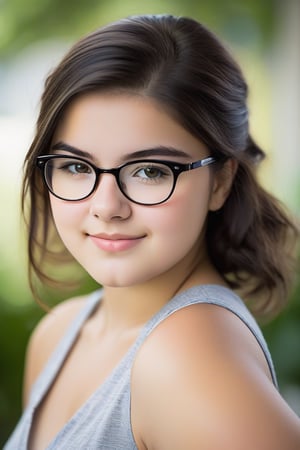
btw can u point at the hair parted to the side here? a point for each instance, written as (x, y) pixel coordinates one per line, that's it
(182, 65)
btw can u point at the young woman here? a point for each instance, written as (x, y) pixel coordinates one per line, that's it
(143, 169)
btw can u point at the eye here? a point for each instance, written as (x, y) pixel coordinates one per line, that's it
(150, 172)
(154, 172)
(75, 167)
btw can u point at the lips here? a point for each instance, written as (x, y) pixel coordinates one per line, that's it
(115, 242)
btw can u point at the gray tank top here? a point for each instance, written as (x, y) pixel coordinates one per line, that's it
(103, 422)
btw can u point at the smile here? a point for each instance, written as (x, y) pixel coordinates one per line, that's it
(115, 243)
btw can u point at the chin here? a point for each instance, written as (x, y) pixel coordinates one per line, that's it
(121, 280)
(113, 281)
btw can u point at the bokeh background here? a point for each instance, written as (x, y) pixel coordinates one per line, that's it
(264, 35)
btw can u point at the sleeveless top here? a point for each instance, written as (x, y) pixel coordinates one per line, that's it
(103, 421)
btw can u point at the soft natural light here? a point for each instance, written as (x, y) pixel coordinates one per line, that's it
(15, 135)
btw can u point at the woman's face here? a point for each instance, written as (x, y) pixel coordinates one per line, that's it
(120, 243)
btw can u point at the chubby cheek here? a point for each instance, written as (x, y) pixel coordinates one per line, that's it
(172, 231)
(67, 218)
(176, 225)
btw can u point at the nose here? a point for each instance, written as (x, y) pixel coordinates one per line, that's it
(108, 202)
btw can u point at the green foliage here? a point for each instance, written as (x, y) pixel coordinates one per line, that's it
(22, 23)
(15, 327)
(283, 336)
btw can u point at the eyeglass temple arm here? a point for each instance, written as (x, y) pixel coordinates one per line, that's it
(203, 162)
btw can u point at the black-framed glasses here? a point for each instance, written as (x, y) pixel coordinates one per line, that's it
(144, 181)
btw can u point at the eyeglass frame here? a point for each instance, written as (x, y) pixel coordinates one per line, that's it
(176, 168)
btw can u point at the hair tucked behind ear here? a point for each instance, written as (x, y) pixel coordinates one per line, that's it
(182, 66)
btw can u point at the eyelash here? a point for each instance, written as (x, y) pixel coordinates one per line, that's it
(67, 167)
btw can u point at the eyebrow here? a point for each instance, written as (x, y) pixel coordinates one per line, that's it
(161, 150)
(69, 148)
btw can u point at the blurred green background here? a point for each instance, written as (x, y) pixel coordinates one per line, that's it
(265, 37)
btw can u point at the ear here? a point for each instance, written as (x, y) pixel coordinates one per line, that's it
(222, 180)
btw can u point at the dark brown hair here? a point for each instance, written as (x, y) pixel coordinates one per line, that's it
(183, 66)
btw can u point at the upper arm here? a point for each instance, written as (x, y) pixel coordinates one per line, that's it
(199, 381)
(44, 339)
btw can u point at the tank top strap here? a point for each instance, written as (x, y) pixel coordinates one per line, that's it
(61, 352)
(215, 295)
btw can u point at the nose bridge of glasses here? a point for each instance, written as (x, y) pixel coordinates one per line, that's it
(100, 171)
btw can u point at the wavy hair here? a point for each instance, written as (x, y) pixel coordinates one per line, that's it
(183, 66)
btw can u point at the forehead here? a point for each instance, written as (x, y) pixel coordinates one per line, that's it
(111, 124)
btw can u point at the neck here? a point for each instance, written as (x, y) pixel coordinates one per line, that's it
(125, 308)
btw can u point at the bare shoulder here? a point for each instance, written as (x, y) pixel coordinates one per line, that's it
(46, 336)
(201, 381)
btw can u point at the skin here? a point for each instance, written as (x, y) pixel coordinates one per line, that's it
(229, 374)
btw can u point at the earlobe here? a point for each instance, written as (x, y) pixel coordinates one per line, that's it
(222, 183)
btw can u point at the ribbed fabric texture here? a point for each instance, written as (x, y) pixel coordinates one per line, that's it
(103, 422)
